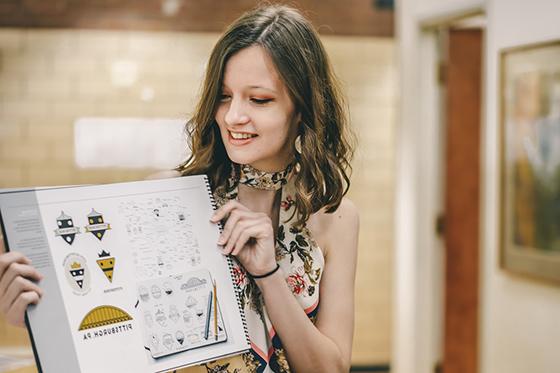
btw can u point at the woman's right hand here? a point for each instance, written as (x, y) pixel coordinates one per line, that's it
(18, 287)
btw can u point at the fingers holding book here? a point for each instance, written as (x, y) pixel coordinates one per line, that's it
(17, 286)
(248, 235)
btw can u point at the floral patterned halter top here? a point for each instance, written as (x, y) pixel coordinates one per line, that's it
(301, 261)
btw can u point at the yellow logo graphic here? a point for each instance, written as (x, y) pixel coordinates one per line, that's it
(97, 225)
(102, 316)
(107, 264)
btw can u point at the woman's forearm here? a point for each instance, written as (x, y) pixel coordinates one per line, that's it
(307, 349)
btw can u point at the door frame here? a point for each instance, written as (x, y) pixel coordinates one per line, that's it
(419, 253)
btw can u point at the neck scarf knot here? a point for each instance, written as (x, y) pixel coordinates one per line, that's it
(258, 179)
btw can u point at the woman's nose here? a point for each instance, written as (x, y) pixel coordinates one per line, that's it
(236, 113)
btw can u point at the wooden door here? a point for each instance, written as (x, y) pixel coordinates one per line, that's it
(463, 85)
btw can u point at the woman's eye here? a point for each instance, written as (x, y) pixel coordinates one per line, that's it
(224, 98)
(261, 101)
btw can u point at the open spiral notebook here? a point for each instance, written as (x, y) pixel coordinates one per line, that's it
(133, 277)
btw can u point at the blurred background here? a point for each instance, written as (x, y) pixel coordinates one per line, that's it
(97, 91)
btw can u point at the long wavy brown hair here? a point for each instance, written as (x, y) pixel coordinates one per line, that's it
(300, 59)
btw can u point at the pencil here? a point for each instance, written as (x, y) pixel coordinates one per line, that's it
(215, 311)
(208, 310)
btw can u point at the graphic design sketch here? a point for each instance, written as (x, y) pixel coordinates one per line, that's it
(66, 228)
(96, 225)
(160, 232)
(182, 317)
(77, 273)
(107, 264)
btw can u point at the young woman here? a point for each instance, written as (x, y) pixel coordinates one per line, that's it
(270, 132)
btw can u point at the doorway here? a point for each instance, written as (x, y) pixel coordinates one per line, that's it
(461, 79)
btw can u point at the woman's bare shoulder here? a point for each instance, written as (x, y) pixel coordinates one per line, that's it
(329, 228)
(167, 174)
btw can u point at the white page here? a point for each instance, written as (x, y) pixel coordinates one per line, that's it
(153, 235)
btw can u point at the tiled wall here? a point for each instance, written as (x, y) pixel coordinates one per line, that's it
(49, 78)
(367, 68)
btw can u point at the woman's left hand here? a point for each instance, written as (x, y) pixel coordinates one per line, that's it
(247, 235)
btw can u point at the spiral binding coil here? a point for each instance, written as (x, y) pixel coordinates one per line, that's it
(230, 265)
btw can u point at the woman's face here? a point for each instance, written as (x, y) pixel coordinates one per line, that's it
(256, 115)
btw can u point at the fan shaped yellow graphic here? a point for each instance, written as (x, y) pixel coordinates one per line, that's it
(103, 315)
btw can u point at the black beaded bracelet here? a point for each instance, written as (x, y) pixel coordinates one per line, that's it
(266, 274)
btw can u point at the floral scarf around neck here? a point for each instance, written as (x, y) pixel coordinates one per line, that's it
(301, 261)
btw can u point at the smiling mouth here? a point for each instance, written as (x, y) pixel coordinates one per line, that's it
(241, 135)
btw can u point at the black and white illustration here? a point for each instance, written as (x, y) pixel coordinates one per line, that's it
(77, 273)
(66, 228)
(179, 313)
(160, 231)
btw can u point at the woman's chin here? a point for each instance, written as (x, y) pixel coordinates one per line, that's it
(235, 157)
(256, 160)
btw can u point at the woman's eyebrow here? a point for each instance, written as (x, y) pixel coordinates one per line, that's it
(225, 87)
(261, 87)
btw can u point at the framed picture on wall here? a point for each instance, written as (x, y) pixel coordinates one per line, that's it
(530, 167)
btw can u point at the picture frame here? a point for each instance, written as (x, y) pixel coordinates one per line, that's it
(529, 100)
